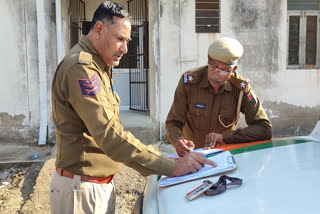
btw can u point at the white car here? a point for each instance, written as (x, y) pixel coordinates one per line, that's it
(278, 176)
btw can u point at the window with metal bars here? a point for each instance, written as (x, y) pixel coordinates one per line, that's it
(207, 16)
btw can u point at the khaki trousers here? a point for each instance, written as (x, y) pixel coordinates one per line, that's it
(73, 196)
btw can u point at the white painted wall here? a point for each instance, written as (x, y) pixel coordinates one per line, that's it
(154, 90)
(298, 87)
(65, 25)
(121, 82)
(14, 72)
(174, 48)
(19, 90)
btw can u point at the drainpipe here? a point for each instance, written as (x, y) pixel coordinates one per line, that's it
(159, 67)
(58, 31)
(42, 73)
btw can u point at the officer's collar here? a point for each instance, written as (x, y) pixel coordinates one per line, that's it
(85, 44)
(228, 86)
(205, 81)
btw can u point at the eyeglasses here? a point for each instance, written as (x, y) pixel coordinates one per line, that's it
(214, 68)
(221, 185)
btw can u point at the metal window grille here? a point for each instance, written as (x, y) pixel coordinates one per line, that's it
(303, 5)
(138, 57)
(207, 16)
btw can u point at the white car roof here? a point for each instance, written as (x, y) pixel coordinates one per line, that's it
(281, 176)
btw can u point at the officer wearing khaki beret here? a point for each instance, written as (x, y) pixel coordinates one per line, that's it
(208, 101)
(91, 142)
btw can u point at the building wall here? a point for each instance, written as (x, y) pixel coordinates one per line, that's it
(288, 96)
(121, 81)
(15, 103)
(19, 90)
(65, 26)
(154, 65)
(51, 55)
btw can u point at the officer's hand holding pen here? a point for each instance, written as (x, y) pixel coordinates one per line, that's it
(184, 146)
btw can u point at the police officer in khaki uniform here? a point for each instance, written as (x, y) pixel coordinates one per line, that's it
(91, 142)
(208, 101)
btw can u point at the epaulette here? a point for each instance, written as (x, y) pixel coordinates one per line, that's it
(84, 58)
(240, 82)
(194, 75)
(243, 84)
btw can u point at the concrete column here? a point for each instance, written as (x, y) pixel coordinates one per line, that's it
(42, 73)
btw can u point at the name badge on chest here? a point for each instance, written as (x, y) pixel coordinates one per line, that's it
(203, 106)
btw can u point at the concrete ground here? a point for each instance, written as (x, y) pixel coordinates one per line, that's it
(140, 124)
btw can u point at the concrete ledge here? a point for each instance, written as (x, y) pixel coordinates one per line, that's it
(8, 165)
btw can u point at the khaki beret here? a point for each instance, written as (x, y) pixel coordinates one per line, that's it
(227, 50)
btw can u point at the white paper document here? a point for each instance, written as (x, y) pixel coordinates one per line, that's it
(202, 150)
(224, 160)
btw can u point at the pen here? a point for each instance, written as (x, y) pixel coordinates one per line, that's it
(181, 137)
(189, 146)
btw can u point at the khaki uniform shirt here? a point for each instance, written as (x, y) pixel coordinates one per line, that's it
(197, 110)
(90, 138)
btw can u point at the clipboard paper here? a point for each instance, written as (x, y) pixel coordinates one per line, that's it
(224, 160)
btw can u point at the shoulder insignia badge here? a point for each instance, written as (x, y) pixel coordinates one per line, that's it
(194, 75)
(240, 82)
(243, 84)
(90, 87)
(84, 58)
(188, 78)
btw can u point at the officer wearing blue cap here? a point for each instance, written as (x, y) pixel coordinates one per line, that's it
(208, 101)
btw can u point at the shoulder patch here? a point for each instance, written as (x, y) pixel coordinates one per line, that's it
(252, 96)
(244, 85)
(187, 78)
(240, 82)
(84, 58)
(90, 87)
(193, 76)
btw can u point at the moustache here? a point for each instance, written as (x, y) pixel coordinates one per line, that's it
(216, 80)
(119, 53)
